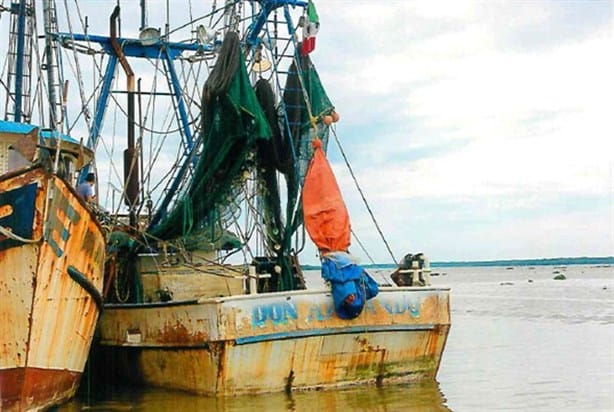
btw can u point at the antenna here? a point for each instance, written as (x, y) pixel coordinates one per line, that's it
(143, 14)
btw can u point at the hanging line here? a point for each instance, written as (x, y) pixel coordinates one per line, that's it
(79, 76)
(347, 163)
(362, 246)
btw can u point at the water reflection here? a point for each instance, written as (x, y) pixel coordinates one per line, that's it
(422, 396)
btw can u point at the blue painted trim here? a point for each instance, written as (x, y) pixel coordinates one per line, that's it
(289, 23)
(100, 111)
(52, 134)
(267, 7)
(25, 128)
(161, 211)
(332, 331)
(134, 47)
(183, 114)
(186, 134)
(145, 305)
(21, 219)
(15, 127)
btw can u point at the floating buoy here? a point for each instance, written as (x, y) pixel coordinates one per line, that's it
(327, 120)
(335, 116)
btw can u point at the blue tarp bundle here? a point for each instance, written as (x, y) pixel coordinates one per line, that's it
(351, 284)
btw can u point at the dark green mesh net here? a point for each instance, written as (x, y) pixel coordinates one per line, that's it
(244, 129)
(232, 124)
(291, 140)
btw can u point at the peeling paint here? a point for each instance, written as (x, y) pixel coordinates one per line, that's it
(47, 320)
(281, 341)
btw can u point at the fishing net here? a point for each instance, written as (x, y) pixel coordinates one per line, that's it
(288, 152)
(244, 129)
(232, 124)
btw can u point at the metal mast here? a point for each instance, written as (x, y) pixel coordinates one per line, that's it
(54, 90)
(20, 61)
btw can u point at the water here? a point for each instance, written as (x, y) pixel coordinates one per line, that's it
(520, 341)
(543, 345)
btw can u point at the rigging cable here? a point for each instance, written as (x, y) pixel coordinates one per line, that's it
(40, 84)
(362, 246)
(84, 108)
(347, 163)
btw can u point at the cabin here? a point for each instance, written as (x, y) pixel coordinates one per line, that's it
(20, 145)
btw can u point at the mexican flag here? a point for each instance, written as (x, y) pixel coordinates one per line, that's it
(310, 29)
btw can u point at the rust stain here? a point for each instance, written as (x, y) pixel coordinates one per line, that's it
(47, 321)
(219, 349)
(35, 388)
(365, 346)
(179, 334)
(290, 358)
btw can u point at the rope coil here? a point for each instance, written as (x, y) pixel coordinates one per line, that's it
(9, 234)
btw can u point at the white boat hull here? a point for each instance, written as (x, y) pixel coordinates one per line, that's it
(275, 342)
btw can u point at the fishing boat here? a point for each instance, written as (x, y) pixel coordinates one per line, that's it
(204, 290)
(51, 244)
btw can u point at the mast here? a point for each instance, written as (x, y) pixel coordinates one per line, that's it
(51, 53)
(143, 14)
(20, 60)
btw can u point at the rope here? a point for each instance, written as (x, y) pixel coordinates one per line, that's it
(8, 233)
(347, 163)
(84, 108)
(362, 246)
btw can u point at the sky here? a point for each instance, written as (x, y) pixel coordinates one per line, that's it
(476, 130)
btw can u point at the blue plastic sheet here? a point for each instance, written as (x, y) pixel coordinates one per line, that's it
(351, 285)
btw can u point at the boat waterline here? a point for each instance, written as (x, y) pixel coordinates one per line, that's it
(399, 337)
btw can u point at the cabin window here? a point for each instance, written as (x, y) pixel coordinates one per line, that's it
(10, 159)
(16, 160)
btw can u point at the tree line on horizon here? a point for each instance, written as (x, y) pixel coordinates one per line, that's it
(560, 261)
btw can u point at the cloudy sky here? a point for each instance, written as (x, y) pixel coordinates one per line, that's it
(477, 130)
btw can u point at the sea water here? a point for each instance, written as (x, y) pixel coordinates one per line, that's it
(519, 341)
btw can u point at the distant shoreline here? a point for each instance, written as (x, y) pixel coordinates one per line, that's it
(607, 260)
(565, 261)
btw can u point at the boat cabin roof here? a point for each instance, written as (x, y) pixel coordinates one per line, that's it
(25, 128)
(10, 133)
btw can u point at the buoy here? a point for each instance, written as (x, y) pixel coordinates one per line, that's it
(327, 120)
(335, 116)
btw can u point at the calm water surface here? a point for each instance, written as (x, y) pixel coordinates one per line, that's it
(520, 341)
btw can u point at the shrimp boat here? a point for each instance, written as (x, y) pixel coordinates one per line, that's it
(51, 244)
(224, 177)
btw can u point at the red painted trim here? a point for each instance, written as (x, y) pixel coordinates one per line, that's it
(34, 388)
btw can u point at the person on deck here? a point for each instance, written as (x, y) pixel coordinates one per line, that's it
(86, 189)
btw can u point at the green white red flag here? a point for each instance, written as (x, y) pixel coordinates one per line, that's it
(310, 29)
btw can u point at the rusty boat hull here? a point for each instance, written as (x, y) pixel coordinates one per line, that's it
(275, 341)
(51, 260)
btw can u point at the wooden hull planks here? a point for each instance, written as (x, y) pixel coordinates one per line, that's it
(47, 319)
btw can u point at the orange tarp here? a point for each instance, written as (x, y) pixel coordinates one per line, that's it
(326, 217)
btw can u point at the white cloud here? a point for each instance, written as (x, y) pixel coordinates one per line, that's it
(476, 130)
(488, 129)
